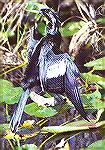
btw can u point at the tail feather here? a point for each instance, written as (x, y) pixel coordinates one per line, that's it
(16, 118)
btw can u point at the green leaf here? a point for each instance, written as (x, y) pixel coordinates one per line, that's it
(98, 145)
(101, 20)
(94, 78)
(99, 104)
(71, 28)
(39, 111)
(34, 7)
(5, 83)
(90, 98)
(30, 147)
(74, 126)
(98, 64)
(27, 147)
(100, 113)
(3, 128)
(62, 129)
(93, 99)
(41, 28)
(11, 96)
(8, 93)
(80, 123)
(10, 33)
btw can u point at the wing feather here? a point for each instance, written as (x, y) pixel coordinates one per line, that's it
(72, 91)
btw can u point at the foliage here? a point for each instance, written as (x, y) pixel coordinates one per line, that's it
(8, 93)
(70, 127)
(29, 147)
(71, 28)
(94, 79)
(34, 7)
(39, 111)
(94, 101)
(98, 64)
(96, 145)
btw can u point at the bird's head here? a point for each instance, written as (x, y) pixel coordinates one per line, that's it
(53, 18)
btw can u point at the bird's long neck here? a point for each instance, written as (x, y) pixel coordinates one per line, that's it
(52, 27)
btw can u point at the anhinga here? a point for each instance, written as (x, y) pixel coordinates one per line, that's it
(50, 70)
(58, 73)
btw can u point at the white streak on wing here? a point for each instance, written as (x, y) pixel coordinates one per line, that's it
(56, 70)
(36, 46)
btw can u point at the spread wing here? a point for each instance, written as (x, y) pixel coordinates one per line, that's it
(61, 77)
(57, 66)
(72, 66)
(53, 70)
(72, 90)
(31, 75)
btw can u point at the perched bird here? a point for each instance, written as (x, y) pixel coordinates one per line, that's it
(58, 73)
(50, 70)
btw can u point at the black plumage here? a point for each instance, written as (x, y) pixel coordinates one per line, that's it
(58, 73)
(50, 70)
(33, 40)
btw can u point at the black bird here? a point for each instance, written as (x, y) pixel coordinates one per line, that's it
(58, 73)
(48, 70)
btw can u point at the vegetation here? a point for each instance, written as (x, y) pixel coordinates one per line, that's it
(44, 124)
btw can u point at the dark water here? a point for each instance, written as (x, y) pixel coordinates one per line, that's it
(81, 140)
